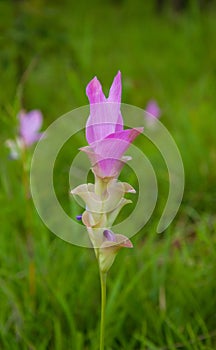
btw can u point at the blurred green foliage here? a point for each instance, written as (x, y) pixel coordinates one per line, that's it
(161, 294)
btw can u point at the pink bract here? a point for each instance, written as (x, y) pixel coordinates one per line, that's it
(107, 139)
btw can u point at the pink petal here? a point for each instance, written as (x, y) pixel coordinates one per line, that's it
(105, 116)
(108, 168)
(30, 124)
(106, 155)
(116, 89)
(115, 96)
(103, 120)
(127, 135)
(103, 167)
(119, 123)
(94, 91)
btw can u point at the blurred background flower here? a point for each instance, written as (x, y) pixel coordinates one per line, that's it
(153, 109)
(29, 125)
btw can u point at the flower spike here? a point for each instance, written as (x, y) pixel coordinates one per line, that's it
(107, 143)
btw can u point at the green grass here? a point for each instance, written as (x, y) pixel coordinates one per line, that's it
(161, 294)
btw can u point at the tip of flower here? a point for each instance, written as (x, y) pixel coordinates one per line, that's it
(132, 191)
(79, 217)
(139, 130)
(128, 188)
(94, 91)
(124, 241)
(127, 244)
(118, 74)
(126, 159)
(94, 81)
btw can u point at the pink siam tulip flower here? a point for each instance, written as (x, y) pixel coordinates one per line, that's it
(108, 142)
(153, 109)
(107, 139)
(30, 124)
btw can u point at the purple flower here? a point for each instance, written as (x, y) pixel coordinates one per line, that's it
(153, 109)
(107, 139)
(30, 124)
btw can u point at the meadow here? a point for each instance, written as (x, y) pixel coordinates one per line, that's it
(161, 293)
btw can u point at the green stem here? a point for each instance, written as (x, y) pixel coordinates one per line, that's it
(103, 307)
(100, 186)
(28, 223)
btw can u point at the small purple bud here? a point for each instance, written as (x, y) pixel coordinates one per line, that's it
(79, 217)
(109, 235)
